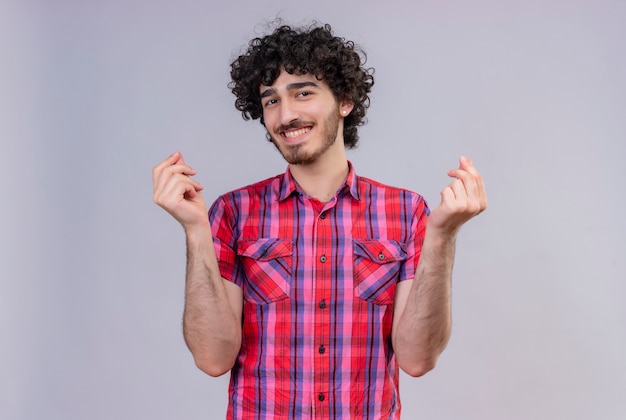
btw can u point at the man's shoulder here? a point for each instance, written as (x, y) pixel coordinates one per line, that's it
(371, 184)
(255, 187)
(266, 188)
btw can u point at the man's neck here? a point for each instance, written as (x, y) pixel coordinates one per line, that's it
(322, 178)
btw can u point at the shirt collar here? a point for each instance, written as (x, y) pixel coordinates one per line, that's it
(289, 185)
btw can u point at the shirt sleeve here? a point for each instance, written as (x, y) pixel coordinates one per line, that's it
(224, 229)
(416, 238)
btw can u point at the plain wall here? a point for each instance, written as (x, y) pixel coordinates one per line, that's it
(94, 93)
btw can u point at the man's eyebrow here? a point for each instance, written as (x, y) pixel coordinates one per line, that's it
(300, 85)
(292, 86)
(268, 92)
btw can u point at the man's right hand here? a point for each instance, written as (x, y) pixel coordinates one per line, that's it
(177, 193)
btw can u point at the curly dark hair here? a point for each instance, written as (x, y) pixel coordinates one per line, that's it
(308, 50)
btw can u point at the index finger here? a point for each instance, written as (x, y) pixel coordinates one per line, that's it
(467, 165)
(169, 161)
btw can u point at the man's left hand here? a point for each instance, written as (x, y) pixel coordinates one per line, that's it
(461, 200)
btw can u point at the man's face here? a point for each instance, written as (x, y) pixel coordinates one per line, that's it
(302, 117)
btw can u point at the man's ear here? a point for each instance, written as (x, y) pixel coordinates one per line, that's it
(346, 107)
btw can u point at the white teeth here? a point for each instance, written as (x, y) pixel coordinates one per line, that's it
(296, 133)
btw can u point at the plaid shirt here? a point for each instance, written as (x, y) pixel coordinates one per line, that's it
(318, 281)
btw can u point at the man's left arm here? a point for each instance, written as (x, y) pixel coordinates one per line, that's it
(422, 307)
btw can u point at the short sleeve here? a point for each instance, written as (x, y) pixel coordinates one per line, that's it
(416, 238)
(224, 229)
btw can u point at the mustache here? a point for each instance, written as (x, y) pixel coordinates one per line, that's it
(294, 125)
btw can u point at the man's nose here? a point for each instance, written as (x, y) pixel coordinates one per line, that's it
(288, 112)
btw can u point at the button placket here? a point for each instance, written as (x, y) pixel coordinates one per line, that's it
(323, 252)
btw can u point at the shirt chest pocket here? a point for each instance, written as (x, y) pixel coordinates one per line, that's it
(266, 263)
(377, 265)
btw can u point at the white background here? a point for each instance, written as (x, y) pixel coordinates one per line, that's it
(94, 93)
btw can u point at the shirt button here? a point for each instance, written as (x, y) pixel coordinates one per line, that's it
(323, 258)
(323, 216)
(381, 256)
(321, 397)
(323, 304)
(322, 349)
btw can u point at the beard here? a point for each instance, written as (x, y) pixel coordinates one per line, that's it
(297, 154)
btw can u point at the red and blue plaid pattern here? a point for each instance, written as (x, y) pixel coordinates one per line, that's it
(318, 281)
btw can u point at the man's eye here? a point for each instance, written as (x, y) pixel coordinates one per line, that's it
(270, 102)
(305, 93)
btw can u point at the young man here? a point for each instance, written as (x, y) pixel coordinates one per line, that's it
(314, 286)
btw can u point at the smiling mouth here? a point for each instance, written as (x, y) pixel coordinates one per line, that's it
(292, 134)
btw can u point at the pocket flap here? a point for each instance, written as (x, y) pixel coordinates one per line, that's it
(380, 251)
(265, 249)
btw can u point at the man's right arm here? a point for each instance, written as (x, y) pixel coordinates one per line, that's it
(213, 306)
